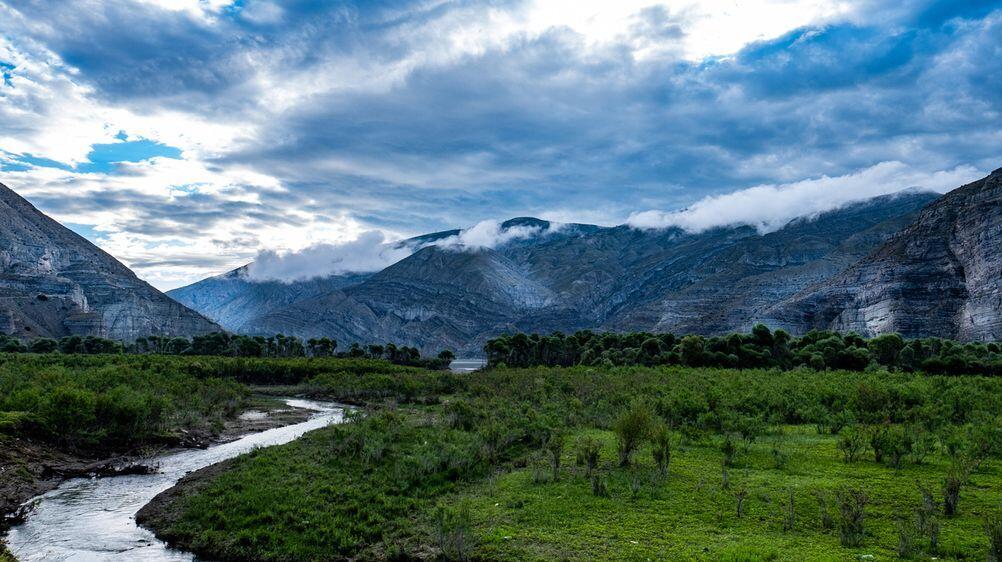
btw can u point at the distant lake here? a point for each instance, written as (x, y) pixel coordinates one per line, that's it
(466, 365)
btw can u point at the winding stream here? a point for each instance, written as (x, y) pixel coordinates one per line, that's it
(94, 518)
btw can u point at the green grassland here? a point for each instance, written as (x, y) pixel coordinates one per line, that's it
(462, 467)
(98, 405)
(691, 515)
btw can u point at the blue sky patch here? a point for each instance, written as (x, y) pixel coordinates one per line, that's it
(85, 230)
(102, 157)
(6, 70)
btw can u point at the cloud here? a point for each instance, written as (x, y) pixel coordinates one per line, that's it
(371, 251)
(367, 253)
(492, 233)
(303, 122)
(770, 207)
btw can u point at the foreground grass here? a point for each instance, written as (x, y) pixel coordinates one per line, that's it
(333, 493)
(463, 472)
(690, 514)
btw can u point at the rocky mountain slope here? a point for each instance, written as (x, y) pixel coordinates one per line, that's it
(54, 282)
(579, 276)
(940, 276)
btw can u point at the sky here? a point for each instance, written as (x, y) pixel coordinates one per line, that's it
(188, 137)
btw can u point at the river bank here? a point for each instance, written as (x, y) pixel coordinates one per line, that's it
(31, 468)
(95, 517)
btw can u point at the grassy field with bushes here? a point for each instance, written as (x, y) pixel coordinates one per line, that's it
(621, 463)
(106, 403)
(115, 402)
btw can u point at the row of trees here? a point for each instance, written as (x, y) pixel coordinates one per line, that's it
(227, 345)
(761, 348)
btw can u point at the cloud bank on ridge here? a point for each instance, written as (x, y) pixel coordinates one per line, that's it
(770, 207)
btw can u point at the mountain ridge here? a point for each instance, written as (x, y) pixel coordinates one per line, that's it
(585, 276)
(939, 276)
(54, 282)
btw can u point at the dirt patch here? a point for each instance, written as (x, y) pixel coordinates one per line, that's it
(262, 414)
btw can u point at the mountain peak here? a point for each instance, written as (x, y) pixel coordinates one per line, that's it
(531, 222)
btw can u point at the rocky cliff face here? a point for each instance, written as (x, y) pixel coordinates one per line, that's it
(940, 276)
(54, 282)
(583, 276)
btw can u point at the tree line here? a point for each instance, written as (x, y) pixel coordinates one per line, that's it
(227, 345)
(761, 348)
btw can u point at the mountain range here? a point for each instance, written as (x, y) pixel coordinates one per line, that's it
(913, 262)
(54, 283)
(867, 267)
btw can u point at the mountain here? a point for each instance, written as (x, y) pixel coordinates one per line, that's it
(237, 299)
(940, 276)
(54, 282)
(570, 277)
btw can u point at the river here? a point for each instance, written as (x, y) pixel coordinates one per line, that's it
(93, 519)
(467, 365)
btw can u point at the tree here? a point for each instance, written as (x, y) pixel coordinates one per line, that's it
(43, 345)
(691, 349)
(887, 349)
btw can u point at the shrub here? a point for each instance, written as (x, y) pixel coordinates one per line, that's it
(852, 511)
(661, 442)
(851, 443)
(824, 514)
(598, 487)
(789, 512)
(923, 443)
(455, 537)
(740, 496)
(729, 449)
(907, 536)
(631, 428)
(897, 445)
(955, 479)
(925, 518)
(588, 454)
(555, 447)
(779, 458)
(993, 528)
(878, 442)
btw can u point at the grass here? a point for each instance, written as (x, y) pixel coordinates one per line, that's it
(462, 471)
(107, 404)
(337, 492)
(689, 515)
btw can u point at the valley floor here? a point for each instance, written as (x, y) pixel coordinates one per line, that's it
(470, 474)
(543, 463)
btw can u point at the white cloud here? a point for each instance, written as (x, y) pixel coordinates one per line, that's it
(490, 234)
(770, 207)
(711, 27)
(369, 252)
(373, 251)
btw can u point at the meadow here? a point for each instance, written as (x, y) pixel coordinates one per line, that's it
(618, 463)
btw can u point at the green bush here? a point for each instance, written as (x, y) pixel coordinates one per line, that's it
(632, 427)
